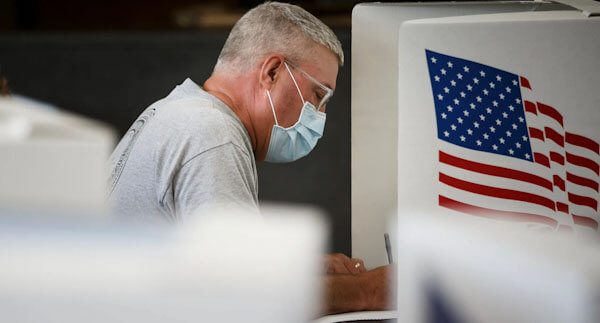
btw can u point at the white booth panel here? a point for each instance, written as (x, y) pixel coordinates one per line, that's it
(464, 270)
(498, 116)
(53, 162)
(223, 267)
(374, 109)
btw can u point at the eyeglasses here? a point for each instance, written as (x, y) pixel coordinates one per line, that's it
(328, 91)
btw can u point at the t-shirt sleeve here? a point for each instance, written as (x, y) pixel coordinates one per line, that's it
(222, 176)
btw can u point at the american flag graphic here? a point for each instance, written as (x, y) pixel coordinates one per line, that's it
(506, 155)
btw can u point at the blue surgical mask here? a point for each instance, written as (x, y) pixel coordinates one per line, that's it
(290, 144)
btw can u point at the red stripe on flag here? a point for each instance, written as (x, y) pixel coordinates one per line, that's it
(494, 170)
(583, 200)
(551, 112)
(582, 141)
(494, 214)
(502, 193)
(562, 207)
(554, 136)
(582, 181)
(557, 158)
(530, 107)
(559, 182)
(525, 82)
(536, 133)
(585, 221)
(541, 159)
(583, 162)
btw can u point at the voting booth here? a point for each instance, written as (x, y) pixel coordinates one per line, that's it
(224, 267)
(53, 162)
(518, 74)
(508, 110)
(458, 269)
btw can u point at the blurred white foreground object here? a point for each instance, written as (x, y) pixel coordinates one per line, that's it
(224, 268)
(51, 161)
(454, 269)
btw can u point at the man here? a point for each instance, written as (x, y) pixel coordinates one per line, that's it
(265, 101)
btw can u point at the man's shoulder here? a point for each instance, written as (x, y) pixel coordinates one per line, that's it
(191, 113)
(199, 124)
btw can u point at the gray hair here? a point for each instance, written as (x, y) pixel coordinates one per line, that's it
(275, 27)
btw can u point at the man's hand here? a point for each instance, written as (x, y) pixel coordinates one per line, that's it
(379, 287)
(338, 263)
(368, 290)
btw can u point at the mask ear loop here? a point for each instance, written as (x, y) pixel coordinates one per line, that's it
(272, 107)
(296, 84)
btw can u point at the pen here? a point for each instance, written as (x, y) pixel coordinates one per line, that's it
(388, 247)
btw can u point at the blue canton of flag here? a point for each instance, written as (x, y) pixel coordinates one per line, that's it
(478, 106)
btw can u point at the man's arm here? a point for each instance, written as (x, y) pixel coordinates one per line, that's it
(371, 290)
(219, 177)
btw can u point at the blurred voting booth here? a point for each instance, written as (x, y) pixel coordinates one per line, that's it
(52, 161)
(464, 270)
(485, 109)
(230, 267)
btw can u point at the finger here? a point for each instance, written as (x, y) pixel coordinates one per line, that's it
(337, 267)
(359, 264)
(352, 266)
(336, 264)
(341, 268)
(342, 264)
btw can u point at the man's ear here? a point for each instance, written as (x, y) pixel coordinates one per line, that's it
(270, 71)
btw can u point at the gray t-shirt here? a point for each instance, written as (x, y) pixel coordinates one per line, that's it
(185, 152)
